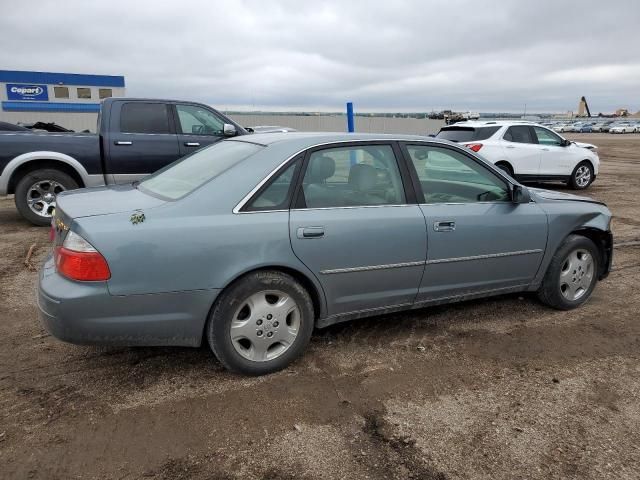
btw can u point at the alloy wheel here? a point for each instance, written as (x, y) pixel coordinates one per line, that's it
(576, 274)
(583, 176)
(265, 325)
(41, 197)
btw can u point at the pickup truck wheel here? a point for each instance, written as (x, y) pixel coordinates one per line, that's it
(582, 176)
(571, 275)
(260, 323)
(35, 194)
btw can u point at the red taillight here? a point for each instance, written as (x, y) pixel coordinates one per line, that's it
(474, 146)
(82, 266)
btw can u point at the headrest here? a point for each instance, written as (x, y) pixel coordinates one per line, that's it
(363, 177)
(321, 168)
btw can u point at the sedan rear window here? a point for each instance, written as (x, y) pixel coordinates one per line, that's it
(466, 134)
(188, 173)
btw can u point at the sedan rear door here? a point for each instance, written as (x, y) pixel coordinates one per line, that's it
(355, 226)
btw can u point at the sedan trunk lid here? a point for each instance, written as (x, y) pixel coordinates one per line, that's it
(88, 202)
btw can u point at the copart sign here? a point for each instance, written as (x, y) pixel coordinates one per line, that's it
(16, 91)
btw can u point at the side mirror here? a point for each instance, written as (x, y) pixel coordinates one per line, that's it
(520, 194)
(229, 130)
(565, 143)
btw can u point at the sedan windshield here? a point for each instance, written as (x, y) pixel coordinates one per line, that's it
(188, 173)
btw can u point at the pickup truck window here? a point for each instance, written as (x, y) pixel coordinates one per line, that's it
(190, 172)
(198, 121)
(138, 117)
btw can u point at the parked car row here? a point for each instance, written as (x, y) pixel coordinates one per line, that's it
(592, 126)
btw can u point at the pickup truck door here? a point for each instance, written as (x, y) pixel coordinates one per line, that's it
(140, 140)
(197, 127)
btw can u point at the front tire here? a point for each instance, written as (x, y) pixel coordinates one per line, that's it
(261, 323)
(36, 192)
(571, 275)
(582, 176)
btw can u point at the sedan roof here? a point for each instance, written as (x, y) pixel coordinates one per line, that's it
(309, 139)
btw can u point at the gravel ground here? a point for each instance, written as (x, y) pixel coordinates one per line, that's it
(499, 389)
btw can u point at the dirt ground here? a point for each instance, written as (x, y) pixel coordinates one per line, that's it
(498, 389)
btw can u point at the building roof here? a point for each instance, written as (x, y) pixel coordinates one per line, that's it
(52, 78)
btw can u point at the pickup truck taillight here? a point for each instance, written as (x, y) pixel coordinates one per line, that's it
(474, 146)
(78, 260)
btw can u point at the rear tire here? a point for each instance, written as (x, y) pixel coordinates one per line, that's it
(571, 275)
(261, 323)
(582, 176)
(506, 168)
(35, 194)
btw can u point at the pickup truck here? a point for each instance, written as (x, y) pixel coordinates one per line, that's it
(135, 137)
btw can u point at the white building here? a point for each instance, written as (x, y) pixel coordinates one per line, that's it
(69, 99)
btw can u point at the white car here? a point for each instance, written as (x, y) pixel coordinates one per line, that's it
(622, 127)
(528, 152)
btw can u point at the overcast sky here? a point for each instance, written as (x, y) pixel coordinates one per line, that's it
(313, 55)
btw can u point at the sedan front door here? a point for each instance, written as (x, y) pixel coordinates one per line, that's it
(478, 241)
(353, 226)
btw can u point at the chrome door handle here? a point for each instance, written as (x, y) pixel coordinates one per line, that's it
(191, 144)
(310, 232)
(446, 226)
(120, 142)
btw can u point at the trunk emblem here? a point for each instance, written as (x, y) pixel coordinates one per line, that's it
(60, 225)
(137, 217)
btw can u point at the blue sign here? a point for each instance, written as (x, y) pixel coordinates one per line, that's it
(17, 91)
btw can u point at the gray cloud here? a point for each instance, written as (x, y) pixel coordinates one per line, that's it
(400, 55)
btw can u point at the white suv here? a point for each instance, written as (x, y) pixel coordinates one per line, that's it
(527, 151)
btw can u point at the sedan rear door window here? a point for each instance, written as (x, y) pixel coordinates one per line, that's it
(353, 176)
(276, 195)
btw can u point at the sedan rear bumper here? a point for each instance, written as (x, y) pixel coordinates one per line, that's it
(85, 313)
